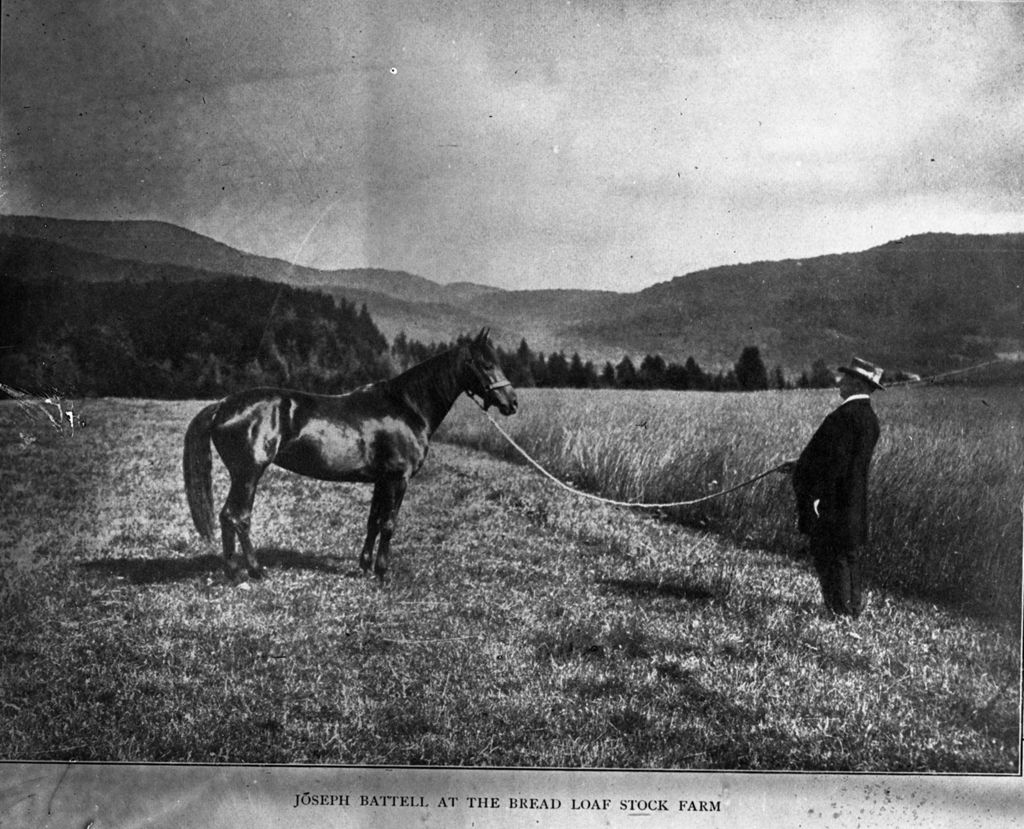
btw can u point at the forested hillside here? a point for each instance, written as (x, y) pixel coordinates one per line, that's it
(182, 339)
(929, 302)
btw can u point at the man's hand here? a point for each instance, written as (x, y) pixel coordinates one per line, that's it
(786, 467)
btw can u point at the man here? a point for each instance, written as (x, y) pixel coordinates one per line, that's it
(830, 479)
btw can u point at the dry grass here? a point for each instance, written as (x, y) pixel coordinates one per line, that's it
(520, 627)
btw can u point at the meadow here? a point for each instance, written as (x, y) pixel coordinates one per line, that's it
(947, 481)
(520, 626)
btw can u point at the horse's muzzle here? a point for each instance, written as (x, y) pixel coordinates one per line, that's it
(505, 400)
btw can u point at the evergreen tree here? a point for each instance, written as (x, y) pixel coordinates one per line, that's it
(821, 376)
(558, 371)
(695, 376)
(652, 372)
(625, 374)
(539, 370)
(400, 351)
(522, 373)
(750, 372)
(579, 377)
(677, 377)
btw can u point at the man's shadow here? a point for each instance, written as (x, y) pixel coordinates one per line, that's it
(183, 568)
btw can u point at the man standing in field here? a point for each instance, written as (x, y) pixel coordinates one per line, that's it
(830, 479)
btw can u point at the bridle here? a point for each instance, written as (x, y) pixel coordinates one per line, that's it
(486, 382)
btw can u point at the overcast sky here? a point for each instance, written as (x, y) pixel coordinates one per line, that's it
(551, 144)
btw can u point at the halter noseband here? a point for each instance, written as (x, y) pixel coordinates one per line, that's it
(486, 382)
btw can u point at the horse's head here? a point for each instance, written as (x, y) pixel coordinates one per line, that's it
(487, 381)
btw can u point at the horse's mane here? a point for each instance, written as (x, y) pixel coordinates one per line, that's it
(420, 383)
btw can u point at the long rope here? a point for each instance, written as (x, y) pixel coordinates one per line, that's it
(669, 504)
(634, 504)
(932, 378)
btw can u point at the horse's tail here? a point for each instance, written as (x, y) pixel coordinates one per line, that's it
(197, 465)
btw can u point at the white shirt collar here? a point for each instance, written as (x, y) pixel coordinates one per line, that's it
(856, 397)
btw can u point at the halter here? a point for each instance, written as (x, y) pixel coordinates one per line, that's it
(486, 382)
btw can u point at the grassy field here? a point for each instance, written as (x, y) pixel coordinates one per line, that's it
(521, 626)
(947, 481)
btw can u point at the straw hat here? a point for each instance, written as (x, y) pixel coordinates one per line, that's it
(865, 371)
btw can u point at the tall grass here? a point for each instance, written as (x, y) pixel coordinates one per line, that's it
(945, 490)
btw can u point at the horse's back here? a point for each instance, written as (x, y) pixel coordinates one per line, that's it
(361, 436)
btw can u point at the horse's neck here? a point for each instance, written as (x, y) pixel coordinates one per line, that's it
(432, 387)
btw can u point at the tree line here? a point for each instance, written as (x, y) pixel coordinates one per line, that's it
(526, 369)
(169, 339)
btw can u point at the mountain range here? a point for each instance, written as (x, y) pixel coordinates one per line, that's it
(923, 303)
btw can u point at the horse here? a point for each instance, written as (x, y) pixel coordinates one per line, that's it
(377, 434)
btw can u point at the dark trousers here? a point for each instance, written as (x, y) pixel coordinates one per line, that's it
(839, 573)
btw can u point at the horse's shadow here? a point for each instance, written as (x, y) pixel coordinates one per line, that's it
(182, 568)
(647, 588)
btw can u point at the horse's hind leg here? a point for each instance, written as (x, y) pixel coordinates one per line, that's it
(236, 520)
(247, 441)
(372, 527)
(391, 503)
(227, 539)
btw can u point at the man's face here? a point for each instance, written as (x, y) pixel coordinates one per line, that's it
(848, 384)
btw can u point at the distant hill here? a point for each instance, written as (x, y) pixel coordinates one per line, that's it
(35, 259)
(160, 243)
(155, 243)
(922, 303)
(398, 301)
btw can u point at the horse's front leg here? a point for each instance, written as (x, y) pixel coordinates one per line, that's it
(372, 527)
(391, 503)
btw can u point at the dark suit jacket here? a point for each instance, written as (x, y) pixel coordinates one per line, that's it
(834, 468)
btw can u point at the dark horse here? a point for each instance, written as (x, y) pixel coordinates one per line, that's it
(376, 434)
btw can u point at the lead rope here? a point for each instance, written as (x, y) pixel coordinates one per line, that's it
(692, 501)
(612, 502)
(934, 377)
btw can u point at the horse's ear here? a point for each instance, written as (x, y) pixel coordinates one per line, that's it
(485, 332)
